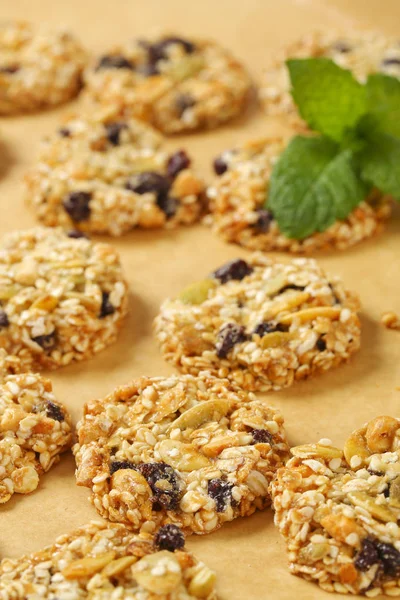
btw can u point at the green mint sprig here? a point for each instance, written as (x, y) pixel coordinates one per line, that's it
(319, 179)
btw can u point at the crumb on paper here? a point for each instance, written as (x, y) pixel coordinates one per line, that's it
(391, 320)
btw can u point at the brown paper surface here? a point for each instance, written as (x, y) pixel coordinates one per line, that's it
(247, 554)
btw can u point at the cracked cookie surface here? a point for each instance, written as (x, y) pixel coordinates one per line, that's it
(102, 561)
(363, 53)
(261, 323)
(238, 204)
(34, 429)
(102, 173)
(38, 68)
(194, 452)
(61, 299)
(339, 511)
(173, 83)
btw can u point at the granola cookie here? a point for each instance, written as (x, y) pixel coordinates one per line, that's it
(238, 197)
(104, 561)
(34, 429)
(61, 298)
(193, 452)
(261, 323)
(362, 53)
(38, 68)
(173, 83)
(102, 173)
(339, 511)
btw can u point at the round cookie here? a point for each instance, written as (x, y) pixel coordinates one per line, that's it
(102, 173)
(339, 511)
(261, 323)
(194, 452)
(61, 298)
(38, 68)
(239, 193)
(34, 429)
(363, 53)
(173, 83)
(101, 561)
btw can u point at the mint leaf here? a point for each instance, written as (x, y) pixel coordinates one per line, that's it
(313, 184)
(329, 99)
(380, 163)
(383, 101)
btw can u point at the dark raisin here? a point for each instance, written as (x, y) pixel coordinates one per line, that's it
(378, 473)
(228, 337)
(75, 234)
(115, 61)
(64, 132)
(4, 322)
(148, 181)
(264, 220)
(164, 482)
(116, 465)
(177, 162)
(221, 492)
(268, 327)
(321, 344)
(341, 46)
(113, 131)
(106, 307)
(47, 342)
(220, 166)
(184, 101)
(390, 61)
(10, 69)
(367, 556)
(158, 51)
(262, 436)
(390, 558)
(170, 537)
(169, 205)
(235, 269)
(76, 204)
(55, 412)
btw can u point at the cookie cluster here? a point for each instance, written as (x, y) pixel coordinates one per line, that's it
(165, 457)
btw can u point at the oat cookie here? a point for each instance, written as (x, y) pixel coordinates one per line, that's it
(173, 83)
(362, 53)
(61, 298)
(239, 193)
(106, 174)
(261, 323)
(38, 68)
(105, 562)
(34, 429)
(339, 511)
(193, 452)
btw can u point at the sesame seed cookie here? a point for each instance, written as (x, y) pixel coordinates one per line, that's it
(104, 561)
(363, 53)
(238, 199)
(104, 174)
(339, 511)
(173, 83)
(34, 429)
(38, 68)
(261, 323)
(61, 298)
(193, 452)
